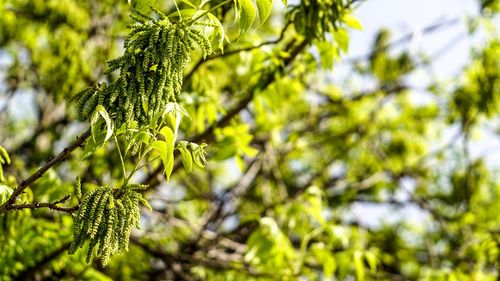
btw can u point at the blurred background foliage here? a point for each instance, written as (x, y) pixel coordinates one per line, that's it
(291, 153)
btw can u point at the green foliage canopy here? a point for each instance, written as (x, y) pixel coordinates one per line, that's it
(220, 118)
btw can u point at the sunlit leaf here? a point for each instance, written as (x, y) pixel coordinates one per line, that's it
(264, 7)
(352, 21)
(186, 157)
(247, 15)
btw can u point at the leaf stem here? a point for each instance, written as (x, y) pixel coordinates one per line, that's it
(177, 8)
(211, 10)
(121, 157)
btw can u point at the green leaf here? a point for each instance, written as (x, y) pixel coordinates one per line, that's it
(352, 21)
(359, 267)
(184, 13)
(219, 30)
(142, 5)
(95, 126)
(4, 159)
(5, 193)
(174, 121)
(342, 38)
(173, 114)
(94, 143)
(371, 259)
(199, 154)
(189, 3)
(247, 15)
(163, 150)
(186, 157)
(4, 156)
(328, 53)
(99, 135)
(166, 150)
(142, 136)
(169, 135)
(264, 7)
(325, 257)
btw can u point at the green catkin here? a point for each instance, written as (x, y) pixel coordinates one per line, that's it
(118, 226)
(129, 222)
(122, 234)
(81, 105)
(137, 187)
(135, 149)
(92, 244)
(79, 220)
(106, 222)
(151, 70)
(98, 216)
(105, 245)
(78, 188)
(89, 105)
(159, 13)
(4, 156)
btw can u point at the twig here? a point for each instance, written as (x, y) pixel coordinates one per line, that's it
(195, 260)
(52, 206)
(429, 29)
(236, 51)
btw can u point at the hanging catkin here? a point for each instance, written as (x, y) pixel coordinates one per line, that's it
(106, 222)
(151, 70)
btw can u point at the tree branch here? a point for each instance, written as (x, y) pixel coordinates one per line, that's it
(229, 263)
(42, 170)
(52, 206)
(236, 51)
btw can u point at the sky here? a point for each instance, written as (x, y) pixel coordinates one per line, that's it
(409, 16)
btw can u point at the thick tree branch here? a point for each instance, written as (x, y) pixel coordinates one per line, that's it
(42, 170)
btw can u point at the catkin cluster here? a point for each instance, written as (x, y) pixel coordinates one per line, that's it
(106, 221)
(151, 70)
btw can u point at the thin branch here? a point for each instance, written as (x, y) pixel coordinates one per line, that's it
(52, 206)
(236, 51)
(405, 38)
(231, 198)
(42, 170)
(193, 259)
(249, 48)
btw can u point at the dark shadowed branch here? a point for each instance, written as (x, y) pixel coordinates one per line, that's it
(42, 170)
